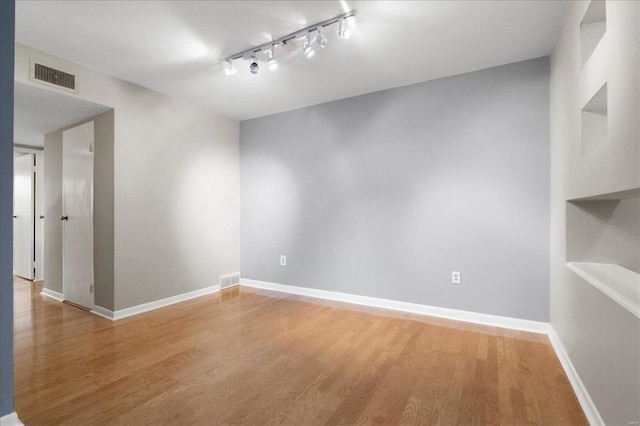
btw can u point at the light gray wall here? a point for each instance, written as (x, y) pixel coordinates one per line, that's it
(7, 26)
(176, 201)
(103, 228)
(52, 211)
(385, 194)
(601, 338)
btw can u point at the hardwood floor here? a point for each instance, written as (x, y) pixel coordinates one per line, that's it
(257, 357)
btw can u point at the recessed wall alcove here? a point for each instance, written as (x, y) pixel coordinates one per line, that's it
(594, 122)
(592, 29)
(603, 244)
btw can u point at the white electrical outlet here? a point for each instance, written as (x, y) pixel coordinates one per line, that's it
(283, 260)
(455, 277)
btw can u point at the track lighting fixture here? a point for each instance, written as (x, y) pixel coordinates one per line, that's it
(253, 67)
(307, 49)
(292, 39)
(229, 68)
(343, 29)
(273, 64)
(320, 39)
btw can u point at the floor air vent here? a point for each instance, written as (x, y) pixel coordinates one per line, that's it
(45, 74)
(229, 280)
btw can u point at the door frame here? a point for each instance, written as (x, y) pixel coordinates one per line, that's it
(30, 219)
(38, 205)
(64, 212)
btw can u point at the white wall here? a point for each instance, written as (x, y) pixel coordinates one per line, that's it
(601, 338)
(176, 186)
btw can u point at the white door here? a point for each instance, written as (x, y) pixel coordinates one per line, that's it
(23, 224)
(77, 215)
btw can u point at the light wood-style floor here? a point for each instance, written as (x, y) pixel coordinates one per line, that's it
(257, 357)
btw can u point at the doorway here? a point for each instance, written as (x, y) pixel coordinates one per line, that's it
(42, 116)
(23, 215)
(28, 223)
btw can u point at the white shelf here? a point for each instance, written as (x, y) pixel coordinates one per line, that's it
(619, 195)
(620, 284)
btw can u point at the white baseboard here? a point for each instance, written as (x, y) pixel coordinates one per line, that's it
(414, 308)
(589, 408)
(135, 310)
(52, 294)
(10, 419)
(102, 312)
(146, 307)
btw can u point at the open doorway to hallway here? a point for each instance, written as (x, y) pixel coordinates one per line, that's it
(41, 117)
(27, 213)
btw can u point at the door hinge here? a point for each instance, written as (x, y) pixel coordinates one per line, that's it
(91, 288)
(91, 148)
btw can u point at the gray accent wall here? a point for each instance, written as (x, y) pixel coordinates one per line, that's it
(386, 194)
(7, 26)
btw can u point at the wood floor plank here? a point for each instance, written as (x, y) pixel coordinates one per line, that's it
(249, 356)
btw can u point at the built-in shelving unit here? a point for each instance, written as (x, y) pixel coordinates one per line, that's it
(596, 289)
(592, 29)
(594, 127)
(602, 229)
(620, 284)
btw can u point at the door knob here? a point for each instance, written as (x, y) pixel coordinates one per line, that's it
(64, 217)
(41, 217)
(15, 216)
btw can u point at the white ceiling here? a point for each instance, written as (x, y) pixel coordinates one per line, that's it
(176, 47)
(38, 111)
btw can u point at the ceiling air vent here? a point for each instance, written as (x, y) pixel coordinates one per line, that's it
(45, 74)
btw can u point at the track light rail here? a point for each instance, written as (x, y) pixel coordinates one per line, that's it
(292, 36)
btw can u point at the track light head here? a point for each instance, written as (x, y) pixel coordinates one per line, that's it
(229, 69)
(307, 49)
(273, 64)
(343, 29)
(253, 66)
(320, 38)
